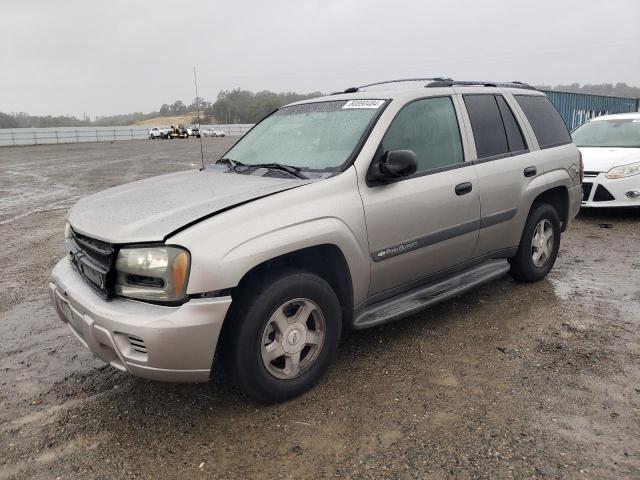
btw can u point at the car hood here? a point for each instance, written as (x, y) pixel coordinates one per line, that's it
(603, 159)
(150, 210)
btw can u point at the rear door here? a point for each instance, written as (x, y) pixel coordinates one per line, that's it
(504, 165)
(428, 221)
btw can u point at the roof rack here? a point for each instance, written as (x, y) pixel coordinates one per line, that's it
(450, 83)
(400, 80)
(442, 82)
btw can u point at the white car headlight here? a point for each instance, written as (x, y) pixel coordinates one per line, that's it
(624, 171)
(153, 273)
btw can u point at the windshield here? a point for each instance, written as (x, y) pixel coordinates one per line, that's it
(608, 133)
(312, 136)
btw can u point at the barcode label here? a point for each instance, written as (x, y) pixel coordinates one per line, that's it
(363, 104)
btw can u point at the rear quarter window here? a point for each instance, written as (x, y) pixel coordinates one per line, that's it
(547, 124)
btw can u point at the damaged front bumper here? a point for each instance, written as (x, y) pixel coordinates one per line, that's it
(167, 343)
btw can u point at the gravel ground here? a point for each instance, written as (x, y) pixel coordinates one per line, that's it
(507, 381)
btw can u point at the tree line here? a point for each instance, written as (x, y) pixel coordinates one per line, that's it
(235, 106)
(244, 106)
(24, 120)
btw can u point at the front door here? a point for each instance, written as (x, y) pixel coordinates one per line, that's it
(428, 221)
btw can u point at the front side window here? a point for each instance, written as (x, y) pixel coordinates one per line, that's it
(312, 136)
(429, 128)
(546, 122)
(624, 132)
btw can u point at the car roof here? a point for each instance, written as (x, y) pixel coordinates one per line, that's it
(618, 116)
(395, 91)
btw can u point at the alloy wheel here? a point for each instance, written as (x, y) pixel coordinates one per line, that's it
(292, 338)
(542, 243)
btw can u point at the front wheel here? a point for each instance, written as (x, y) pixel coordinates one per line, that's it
(284, 333)
(539, 245)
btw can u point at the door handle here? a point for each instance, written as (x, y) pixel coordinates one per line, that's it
(463, 188)
(530, 172)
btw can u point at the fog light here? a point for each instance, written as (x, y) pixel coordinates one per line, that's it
(633, 194)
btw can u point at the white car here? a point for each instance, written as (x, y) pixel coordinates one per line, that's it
(155, 132)
(610, 147)
(193, 131)
(212, 132)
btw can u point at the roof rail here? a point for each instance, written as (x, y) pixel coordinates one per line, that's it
(430, 79)
(451, 83)
(443, 82)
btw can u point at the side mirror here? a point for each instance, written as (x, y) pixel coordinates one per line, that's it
(394, 164)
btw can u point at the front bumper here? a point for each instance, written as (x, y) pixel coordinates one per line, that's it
(174, 344)
(600, 191)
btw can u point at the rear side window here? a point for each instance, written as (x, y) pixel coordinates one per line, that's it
(429, 128)
(545, 120)
(511, 127)
(495, 130)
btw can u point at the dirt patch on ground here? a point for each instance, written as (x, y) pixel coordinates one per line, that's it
(507, 381)
(185, 119)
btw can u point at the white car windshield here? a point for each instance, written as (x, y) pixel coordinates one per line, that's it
(312, 136)
(608, 133)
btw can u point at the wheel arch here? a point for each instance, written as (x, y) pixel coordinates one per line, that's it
(558, 198)
(325, 260)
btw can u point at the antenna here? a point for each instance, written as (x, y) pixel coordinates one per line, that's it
(195, 82)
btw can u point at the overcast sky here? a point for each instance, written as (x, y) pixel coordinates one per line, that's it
(71, 57)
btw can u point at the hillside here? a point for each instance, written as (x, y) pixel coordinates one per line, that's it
(186, 119)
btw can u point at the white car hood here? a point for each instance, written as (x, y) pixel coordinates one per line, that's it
(150, 210)
(603, 159)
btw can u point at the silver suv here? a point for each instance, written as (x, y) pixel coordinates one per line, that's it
(345, 211)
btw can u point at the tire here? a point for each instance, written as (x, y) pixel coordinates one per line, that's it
(253, 335)
(525, 267)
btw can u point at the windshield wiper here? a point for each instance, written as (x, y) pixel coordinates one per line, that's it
(232, 163)
(290, 169)
(295, 171)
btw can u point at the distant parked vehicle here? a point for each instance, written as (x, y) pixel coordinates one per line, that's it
(212, 132)
(193, 131)
(610, 147)
(155, 133)
(177, 132)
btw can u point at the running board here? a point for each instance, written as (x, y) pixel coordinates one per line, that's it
(413, 301)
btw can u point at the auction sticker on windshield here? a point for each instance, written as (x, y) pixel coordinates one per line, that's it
(363, 104)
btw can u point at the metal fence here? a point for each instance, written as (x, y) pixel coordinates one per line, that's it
(577, 108)
(37, 136)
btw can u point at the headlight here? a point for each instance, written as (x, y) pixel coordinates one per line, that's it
(68, 233)
(624, 171)
(153, 273)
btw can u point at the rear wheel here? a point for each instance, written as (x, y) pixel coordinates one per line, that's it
(283, 334)
(539, 245)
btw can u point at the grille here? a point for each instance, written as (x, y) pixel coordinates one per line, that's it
(94, 260)
(590, 174)
(586, 191)
(602, 195)
(137, 344)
